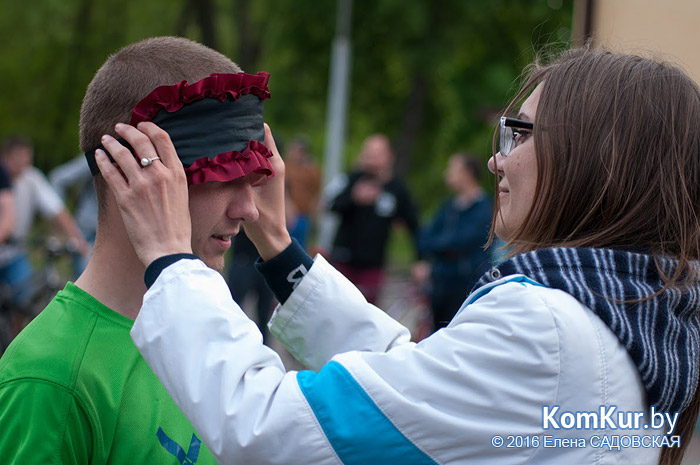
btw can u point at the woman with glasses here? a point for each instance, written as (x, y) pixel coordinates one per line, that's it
(582, 347)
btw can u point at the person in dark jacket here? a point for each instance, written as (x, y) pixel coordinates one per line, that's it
(244, 280)
(453, 242)
(371, 201)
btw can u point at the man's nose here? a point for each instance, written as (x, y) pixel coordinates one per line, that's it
(242, 203)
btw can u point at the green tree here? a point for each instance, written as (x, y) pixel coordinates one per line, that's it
(432, 75)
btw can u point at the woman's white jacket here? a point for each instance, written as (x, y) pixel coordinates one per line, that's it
(500, 385)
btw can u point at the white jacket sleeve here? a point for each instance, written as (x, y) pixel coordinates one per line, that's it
(327, 315)
(210, 357)
(516, 348)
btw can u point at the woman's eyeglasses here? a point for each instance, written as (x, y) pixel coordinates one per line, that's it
(511, 132)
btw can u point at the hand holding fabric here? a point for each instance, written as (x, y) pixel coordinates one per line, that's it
(269, 233)
(152, 199)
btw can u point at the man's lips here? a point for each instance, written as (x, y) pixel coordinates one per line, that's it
(223, 240)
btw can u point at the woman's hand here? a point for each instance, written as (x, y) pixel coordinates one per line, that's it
(269, 233)
(152, 199)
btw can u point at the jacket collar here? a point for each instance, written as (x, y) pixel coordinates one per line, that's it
(661, 334)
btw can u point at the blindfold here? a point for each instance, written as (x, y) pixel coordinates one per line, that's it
(215, 124)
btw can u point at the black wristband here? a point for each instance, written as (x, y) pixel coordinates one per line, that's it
(159, 264)
(284, 272)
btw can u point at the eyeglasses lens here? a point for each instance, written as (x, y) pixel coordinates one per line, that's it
(505, 142)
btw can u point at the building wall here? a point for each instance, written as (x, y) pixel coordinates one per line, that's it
(671, 27)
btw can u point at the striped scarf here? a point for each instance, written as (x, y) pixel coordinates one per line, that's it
(661, 335)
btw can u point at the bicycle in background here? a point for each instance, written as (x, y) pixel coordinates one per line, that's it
(46, 282)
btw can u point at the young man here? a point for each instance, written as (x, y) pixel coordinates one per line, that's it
(453, 241)
(73, 388)
(373, 199)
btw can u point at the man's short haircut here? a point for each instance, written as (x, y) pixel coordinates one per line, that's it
(15, 142)
(132, 73)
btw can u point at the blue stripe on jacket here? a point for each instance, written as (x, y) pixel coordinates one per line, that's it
(356, 428)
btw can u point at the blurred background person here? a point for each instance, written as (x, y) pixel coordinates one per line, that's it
(7, 216)
(245, 282)
(32, 192)
(303, 184)
(453, 241)
(372, 200)
(7, 206)
(74, 177)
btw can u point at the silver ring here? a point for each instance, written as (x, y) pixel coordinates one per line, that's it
(148, 161)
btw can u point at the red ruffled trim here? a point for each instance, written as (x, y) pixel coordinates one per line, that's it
(218, 86)
(228, 166)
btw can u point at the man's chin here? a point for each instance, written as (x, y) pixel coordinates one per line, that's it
(216, 264)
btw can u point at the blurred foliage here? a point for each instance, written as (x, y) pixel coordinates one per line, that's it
(432, 75)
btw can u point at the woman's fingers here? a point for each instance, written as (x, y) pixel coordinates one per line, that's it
(162, 143)
(276, 159)
(152, 199)
(122, 157)
(148, 141)
(269, 233)
(115, 180)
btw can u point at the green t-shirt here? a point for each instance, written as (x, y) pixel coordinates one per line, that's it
(74, 390)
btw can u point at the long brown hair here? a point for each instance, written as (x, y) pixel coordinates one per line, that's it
(617, 144)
